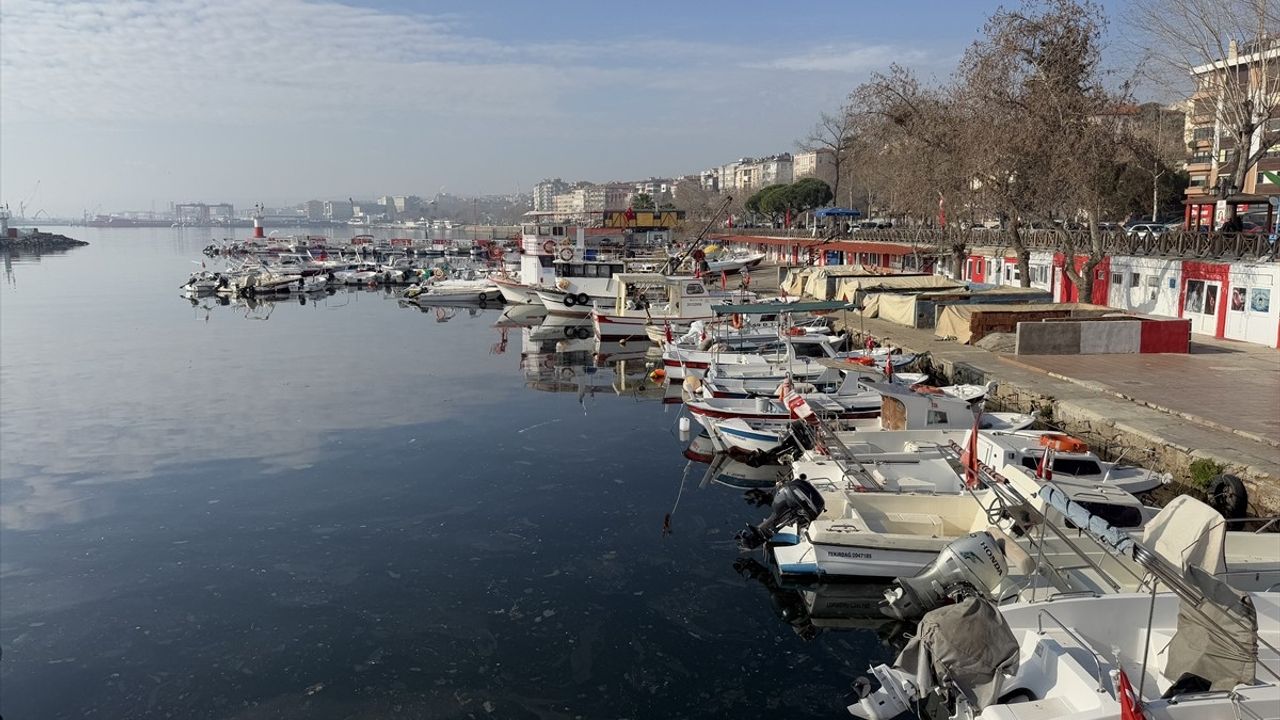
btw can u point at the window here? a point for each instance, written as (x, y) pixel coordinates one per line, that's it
(937, 417)
(1134, 280)
(694, 289)
(1199, 180)
(1203, 133)
(1194, 301)
(1200, 158)
(1117, 279)
(1267, 176)
(1210, 299)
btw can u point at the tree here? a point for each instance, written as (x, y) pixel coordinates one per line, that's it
(642, 201)
(1155, 139)
(809, 193)
(834, 134)
(1230, 51)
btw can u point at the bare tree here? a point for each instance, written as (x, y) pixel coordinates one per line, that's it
(1225, 57)
(1155, 139)
(834, 135)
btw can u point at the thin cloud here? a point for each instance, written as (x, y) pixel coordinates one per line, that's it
(855, 59)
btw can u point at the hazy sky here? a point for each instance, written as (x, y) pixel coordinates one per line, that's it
(122, 105)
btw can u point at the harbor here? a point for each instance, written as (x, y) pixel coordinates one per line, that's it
(617, 467)
(504, 361)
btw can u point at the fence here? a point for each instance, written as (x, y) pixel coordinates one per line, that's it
(1178, 244)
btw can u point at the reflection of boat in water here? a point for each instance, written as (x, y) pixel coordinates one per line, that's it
(811, 609)
(732, 473)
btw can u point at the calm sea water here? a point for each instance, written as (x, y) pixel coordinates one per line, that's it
(351, 509)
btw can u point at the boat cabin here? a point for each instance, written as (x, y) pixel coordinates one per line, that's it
(652, 294)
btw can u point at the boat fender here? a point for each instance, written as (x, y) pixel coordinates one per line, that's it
(691, 385)
(736, 321)
(569, 332)
(584, 299)
(570, 301)
(584, 333)
(1227, 494)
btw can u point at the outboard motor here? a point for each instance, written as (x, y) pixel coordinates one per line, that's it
(796, 502)
(800, 438)
(972, 564)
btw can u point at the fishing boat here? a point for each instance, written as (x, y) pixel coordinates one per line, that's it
(643, 299)
(1176, 629)
(901, 408)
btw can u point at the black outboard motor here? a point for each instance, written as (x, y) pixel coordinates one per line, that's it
(801, 437)
(795, 502)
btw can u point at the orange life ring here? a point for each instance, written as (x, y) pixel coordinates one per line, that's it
(549, 247)
(736, 321)
(1063, 443)
(495, 252)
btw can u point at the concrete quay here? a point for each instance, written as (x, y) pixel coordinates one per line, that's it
(1220, 402)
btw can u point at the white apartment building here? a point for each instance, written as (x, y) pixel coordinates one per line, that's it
(814, 163)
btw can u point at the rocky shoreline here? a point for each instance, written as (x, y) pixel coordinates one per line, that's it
(38, 242)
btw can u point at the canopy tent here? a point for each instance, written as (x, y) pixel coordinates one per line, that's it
(854, 289)
(771, 308)
(837, 212)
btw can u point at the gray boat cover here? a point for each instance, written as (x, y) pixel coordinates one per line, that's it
(967, 645)
(1220, 642)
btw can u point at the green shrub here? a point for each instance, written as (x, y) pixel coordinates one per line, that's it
(1203, 471)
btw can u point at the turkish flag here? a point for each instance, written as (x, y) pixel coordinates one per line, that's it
(1130, 706)
(630, 215)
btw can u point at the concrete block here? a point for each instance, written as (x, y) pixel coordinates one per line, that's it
(1048, 338)
(1102, 337)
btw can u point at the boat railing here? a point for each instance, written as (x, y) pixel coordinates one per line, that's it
(1097, 660)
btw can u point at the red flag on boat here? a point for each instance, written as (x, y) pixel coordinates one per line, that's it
(1044, 470)
(1130, 705)
(797, 406)
(970, 457)
(724, 280)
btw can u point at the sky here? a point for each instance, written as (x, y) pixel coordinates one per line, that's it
(134, 104)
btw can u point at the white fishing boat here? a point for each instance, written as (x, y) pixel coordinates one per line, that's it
(891, 534)
(901, 408)
(643, 299)
(459, 290)
(1067, 456)
(852, 401)
(1175, 630)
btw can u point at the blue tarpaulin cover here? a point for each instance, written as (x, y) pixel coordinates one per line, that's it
(837, 212)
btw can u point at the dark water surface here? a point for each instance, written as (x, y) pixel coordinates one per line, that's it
(347, 509)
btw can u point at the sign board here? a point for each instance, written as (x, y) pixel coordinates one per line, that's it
(643, 218)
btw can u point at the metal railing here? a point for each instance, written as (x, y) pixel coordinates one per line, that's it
(1097, 660)
(1178, 243)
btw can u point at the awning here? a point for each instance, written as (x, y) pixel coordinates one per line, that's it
(837, 212)
(771, 308)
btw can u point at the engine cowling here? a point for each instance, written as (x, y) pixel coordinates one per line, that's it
(973, 563)
(797, 503)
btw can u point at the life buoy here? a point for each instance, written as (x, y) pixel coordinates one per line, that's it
(698, 254)
(570, 301)
(566, 254)
(495, 252)
(1063, 443)
(438, 274)
(549, 247)
(736, 321)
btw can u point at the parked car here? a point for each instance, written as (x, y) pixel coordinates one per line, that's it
(1143, 230)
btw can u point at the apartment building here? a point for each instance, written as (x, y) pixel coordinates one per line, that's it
(1249, 70)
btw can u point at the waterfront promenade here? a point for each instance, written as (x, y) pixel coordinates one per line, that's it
(1220, 402)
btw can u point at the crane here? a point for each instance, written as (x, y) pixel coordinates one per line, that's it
(22, 206)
